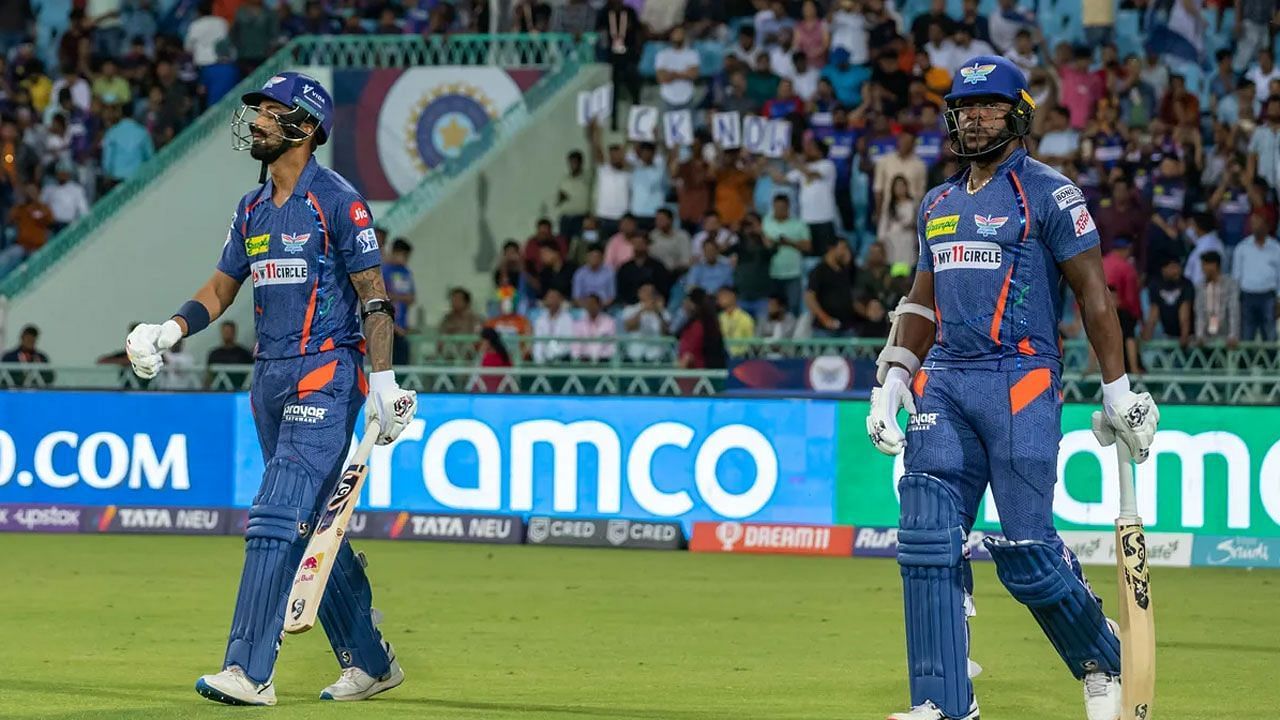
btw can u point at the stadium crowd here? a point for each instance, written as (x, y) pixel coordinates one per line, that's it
(1172, 131)
(1166, 113)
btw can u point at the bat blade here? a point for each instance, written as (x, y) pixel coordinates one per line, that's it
(1137, 622)
(322, 550)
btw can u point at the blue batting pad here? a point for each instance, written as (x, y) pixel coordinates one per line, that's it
(276, 537)
(1042, 579)
(935, 578)
(345, 614)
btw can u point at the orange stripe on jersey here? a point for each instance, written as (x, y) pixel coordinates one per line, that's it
(917, 385)
(306, 321)
(327, 345)
(1017, 184)
(1000, 301)
(1030, 387)
(362, 381)
(244, 226)
(316, 379)
(1025, 348)
(324, 224)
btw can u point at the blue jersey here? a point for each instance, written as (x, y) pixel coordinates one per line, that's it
(399, 281)
(299, 257)
(994, 258)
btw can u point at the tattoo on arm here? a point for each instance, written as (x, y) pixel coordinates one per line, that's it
(378, 327)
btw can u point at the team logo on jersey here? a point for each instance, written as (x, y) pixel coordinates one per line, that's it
(1082, 221)
(988, 225)
(274, 82)
(960, 255)
(294, 243)
(368, 240)
(359, 214)
(976, 73)
(257, 245)
(279, 272)
(945, 225)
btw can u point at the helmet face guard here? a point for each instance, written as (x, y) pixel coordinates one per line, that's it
(1017, 123)
(289, 124)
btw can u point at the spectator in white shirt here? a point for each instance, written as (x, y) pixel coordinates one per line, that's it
(555, 321)
(1024, 53)
(905, 163)
(204, 34)
(747, 49)
(805, 80)
(849, 31)
(1204, 239)
(647, 318)
(1264, 146)
(65, 198)
(678, 66)
(593, 325)
(780, 54)
(713, 227)
(1005, 23)
(966, 46)
(1263, 71)
(1061, 142)
(816, 176)
(613, 183)
(940, 48)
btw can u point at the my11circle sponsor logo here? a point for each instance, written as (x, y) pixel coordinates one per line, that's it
(101, 460)
(482, 488)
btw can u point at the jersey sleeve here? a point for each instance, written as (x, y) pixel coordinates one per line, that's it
(1067, 228)
(353, 234)
(925, 263)
(234, 261)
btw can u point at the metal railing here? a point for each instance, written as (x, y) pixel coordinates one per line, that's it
(548, 50)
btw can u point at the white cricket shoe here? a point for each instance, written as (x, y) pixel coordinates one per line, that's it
(1102, 696)
(929, 711)
(356, 684)
(233, 687)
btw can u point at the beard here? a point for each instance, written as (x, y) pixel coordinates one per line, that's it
(261, 150)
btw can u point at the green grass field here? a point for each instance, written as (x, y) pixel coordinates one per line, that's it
(120, 627)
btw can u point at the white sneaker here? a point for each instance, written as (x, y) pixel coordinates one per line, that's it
(356, 684)
(929, 711)
(1102, 699)
(233, 687)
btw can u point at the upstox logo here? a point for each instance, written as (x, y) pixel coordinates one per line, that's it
(976, 255)
(279, 272)
(257, 244)
(945, 225)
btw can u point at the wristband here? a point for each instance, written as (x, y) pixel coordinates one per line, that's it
(1114, 390)
(196, 315)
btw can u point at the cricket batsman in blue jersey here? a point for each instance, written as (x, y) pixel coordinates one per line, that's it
(973, 355)
(305, 237)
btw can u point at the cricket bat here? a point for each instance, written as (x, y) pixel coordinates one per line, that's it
(317, 562)
(1137, 623)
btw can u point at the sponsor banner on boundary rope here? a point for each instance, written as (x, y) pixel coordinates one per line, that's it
(1099, 548)
(465, 528)
(16, 517)
(599, 532)
(156, 520)
(1213, 470)
(736, 537)
(1222, 551)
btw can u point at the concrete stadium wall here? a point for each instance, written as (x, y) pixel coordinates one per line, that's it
(458, 242)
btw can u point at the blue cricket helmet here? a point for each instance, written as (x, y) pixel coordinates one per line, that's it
(298, 91)
(992, 77)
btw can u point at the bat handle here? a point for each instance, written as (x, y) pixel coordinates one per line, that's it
(1128, 494)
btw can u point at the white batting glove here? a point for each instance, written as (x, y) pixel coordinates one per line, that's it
(882, 420)
(146, 342)
(1128, 417)
(392, 407)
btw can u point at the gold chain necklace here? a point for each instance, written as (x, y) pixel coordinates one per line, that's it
(975, 190)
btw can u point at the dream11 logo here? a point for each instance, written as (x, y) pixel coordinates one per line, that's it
(484, 490)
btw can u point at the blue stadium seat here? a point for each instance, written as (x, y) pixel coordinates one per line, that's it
(711, 57)
(1127, 35)
(649, 59)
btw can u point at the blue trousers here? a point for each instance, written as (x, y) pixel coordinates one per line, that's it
(305, 410)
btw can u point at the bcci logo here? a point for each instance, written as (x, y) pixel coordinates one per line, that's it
(445, 120)
(617, 531)
(539, 529)
(976, 73)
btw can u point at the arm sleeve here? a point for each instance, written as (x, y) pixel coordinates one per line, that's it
(234, 261)
(351, 225)
(1068, 231)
